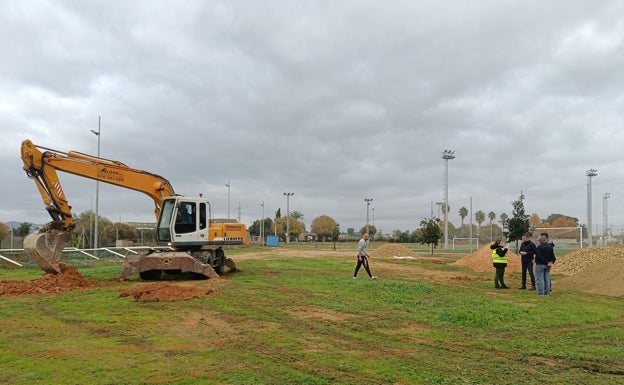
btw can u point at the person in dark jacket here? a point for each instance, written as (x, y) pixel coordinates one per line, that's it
(499, 261)
(544, 260)
(551, 243)
(527, 253)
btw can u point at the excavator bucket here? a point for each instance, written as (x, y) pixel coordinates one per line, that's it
(46, 249)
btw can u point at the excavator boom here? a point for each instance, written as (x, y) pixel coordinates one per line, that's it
(41, 164)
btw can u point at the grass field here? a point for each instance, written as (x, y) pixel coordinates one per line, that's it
(297, 319)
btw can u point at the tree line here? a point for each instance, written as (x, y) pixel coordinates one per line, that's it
(82, 235)
(326, 229)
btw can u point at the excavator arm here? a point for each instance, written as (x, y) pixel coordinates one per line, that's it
(42, 166)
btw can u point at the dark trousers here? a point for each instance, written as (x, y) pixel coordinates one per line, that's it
(499, 277)
(527, 266)
(362, 261)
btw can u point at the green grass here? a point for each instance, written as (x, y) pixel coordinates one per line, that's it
(292, 320)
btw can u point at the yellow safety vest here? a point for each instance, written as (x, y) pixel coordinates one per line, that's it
(497, 258)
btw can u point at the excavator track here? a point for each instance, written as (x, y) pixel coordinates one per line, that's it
(46, 249)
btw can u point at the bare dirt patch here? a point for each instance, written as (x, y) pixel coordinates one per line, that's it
(165, 292)
(313, 312)
(69, 279)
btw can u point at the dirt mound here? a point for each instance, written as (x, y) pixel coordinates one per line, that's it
(69, 279)
(166, 292)
(604, 278)
(481, 260)
(578, 260)
(390, 250)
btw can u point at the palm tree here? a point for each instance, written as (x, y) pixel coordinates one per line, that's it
(491, 217)
(463, 213)
(503, 220)
(298, 216)
(479, 217)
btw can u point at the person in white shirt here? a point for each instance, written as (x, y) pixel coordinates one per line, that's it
(362, 257)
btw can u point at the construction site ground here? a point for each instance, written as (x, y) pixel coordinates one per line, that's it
(279, 320)
(598, 270)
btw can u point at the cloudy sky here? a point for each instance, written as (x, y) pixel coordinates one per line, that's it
(334, 101)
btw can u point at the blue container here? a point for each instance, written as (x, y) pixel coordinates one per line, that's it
(272, 241)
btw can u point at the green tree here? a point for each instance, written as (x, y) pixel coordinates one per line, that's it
(463, 213)
(298, 216)
(553, 217)
(4, 231)
(119, 230)
(255, 228)
(294, 227)
(399, 236)
(82, 235)
(350, 231)
(518, 224)
(23, 229)
(430, 232)
(325, 227)
(372, 230)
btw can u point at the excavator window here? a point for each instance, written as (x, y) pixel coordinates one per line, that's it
(202, 216)
(166, 213)
(185, 218)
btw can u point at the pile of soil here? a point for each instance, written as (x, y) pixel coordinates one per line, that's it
(69, 279)
(604, 278)
(598, 270)
(578, 260)
(481, 260)
(390, 250)
(166, 292)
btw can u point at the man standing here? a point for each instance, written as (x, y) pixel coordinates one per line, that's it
(544, 260)
(527, 253)
(362, 256)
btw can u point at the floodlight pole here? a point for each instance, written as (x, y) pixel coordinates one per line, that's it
(368, 201)
(590, 174)
(446, 155)
(262, 224)
(97, 190)
(288, 195)
(605, 216)
(372, 236)
(228, 187)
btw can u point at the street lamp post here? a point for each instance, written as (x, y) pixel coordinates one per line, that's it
(228, 187)
(605, 216)
(368, 201)
(97, 189)
(446, 155)
(590, 174)
(288, 195)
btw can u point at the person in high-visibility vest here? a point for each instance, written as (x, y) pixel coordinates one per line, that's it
(499, 261)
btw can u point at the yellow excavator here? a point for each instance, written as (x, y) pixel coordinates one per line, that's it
(195, 242)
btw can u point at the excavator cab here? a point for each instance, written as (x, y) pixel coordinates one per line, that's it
(182, 223)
